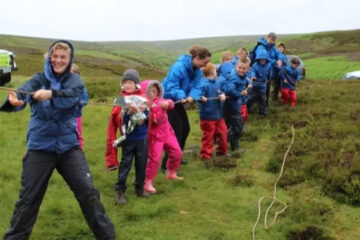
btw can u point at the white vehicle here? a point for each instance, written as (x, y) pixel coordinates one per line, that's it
(7, 65)
(351, 75)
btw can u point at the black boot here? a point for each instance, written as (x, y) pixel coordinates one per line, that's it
(120, 197)
(141, 193)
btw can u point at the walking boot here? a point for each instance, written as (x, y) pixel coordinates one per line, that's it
(140, 192)
(148, 187)
(120, 197)
(172, 175)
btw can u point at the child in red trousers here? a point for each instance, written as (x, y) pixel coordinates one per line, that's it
(289, 76)
(161, 136)
(212, 122)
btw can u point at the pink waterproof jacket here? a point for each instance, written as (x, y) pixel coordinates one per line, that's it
(159, 126)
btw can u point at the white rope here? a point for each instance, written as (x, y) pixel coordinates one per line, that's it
(274, 198)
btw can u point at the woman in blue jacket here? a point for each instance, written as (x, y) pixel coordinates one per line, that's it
(182, 83)
(52, 144)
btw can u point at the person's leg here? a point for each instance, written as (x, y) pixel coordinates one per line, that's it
(79, 131)
(251, 99)
(173, 149)
(275, 89)
(238, 125)
(284, 95)
(221, 133)
(127, 155)
(73, 168)
(262, 104)
(155, 150)
(186, 126)
(177, 125)
(141, 157)
(292, 98)
(244, 112)
(207, 139)
(268, 84)
(233, 130)
(37, 169)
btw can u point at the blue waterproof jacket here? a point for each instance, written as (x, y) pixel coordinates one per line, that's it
(291, 75)
(261, 72)
(52, 125)
(234, 88)
(212, 109)
(273, 54)
(182, 80)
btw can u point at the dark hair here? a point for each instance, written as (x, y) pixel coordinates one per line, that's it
(202, 52)
(295, 60)
(271, 35)
(281, 45)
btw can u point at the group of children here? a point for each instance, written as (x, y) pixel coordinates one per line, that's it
(146, 141)
(226, 94)
(236, 85)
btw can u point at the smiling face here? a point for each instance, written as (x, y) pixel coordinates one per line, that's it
(128, 86)
(60, 59)
(242, 68)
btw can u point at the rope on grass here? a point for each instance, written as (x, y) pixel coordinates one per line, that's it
(274, 198)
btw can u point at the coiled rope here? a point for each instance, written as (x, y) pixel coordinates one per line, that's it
(274, 198)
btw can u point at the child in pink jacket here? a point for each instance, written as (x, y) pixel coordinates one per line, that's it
(161, 136)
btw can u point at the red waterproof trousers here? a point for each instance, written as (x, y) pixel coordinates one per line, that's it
(288, 96)
(210, 129)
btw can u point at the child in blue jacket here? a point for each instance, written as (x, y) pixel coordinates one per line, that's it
(259, 74)
(212, 122)
(289, 76)
(236, 90)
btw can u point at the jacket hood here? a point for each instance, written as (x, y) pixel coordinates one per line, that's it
(49, 73)
(263, 41)
(71, 53)
(147, 84)
(262, 55)
(226, 68)
(187, 61)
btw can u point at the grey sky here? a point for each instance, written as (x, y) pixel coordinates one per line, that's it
(100, 20)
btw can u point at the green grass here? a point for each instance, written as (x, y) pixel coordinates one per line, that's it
(320, 183)
(330, 68)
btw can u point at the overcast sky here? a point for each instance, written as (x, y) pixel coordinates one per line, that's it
(100, 20)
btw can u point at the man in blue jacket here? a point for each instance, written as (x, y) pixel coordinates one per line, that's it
(52, 144)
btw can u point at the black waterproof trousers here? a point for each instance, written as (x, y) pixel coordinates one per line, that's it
(38, 167)
(132, 149)
(235, 125)
(260, 99)
(179, 121)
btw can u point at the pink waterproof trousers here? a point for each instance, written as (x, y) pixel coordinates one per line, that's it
(161, 137)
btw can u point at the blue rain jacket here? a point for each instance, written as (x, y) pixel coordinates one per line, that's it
(52, 125)
(182, 80)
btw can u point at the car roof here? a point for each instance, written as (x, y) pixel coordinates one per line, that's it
(3, 51)
(351, 75)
